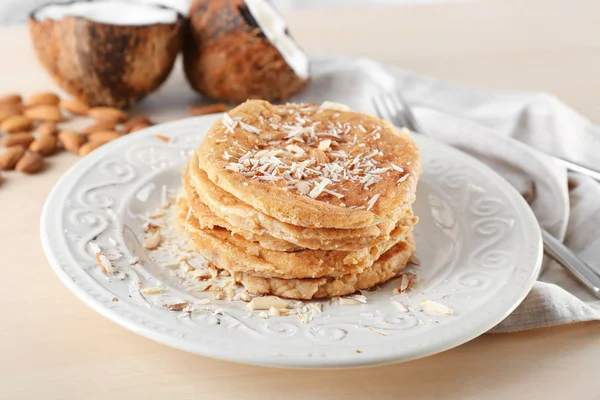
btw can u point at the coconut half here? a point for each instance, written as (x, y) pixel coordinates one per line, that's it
(241, 49)
(109, 53)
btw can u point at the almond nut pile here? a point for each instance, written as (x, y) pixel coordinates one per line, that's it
(30, 128)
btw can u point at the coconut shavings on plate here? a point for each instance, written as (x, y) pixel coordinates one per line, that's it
(205, 286)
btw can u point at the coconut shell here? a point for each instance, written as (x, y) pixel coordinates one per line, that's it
(227, 56)
(106, 65)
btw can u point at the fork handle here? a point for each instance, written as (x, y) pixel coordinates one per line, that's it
(571, 166)
(565, 257)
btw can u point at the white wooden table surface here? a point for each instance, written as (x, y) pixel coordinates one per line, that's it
(54, 347)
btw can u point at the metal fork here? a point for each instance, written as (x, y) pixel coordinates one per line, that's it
(394, 108)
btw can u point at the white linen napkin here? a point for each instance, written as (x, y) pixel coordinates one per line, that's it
(493, 127)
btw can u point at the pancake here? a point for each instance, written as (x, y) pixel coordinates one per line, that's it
(234, 253)
(310, 166)
(301, 201)
(240, 217)
(383, 269)
(207, 219)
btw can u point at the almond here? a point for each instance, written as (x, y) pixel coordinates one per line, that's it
(16, 123)
(30, 163)
(74, 106)
(44, 145)
(44, 113)
(107, 114)
(140, 126)
(23, 139)
(100, 126)
(162, 138)
(71, 141)
(47, 129)
(103, 136)
(11, 156)
(132, 122)
(42, 98)
(8, 111)
(210, 109)
(88, 148)
(11, 98)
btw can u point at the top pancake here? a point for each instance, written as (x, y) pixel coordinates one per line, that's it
(312, 166)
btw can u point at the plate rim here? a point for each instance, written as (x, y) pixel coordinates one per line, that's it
(269, 360)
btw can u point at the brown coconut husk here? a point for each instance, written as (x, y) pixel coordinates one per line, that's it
(103, 64)
(227, 56)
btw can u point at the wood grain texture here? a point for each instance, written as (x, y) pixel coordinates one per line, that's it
(54, 347)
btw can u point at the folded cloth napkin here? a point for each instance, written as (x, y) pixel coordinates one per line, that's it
(509, 132)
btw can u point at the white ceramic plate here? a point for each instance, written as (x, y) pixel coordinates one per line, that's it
(478, 242)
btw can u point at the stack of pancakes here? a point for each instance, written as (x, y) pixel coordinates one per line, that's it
(302, 201)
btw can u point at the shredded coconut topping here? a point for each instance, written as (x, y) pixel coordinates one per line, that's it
(397, 168)
(104, 263)
(317, 190)
(324, 145)
(228, 123)
(372, 201)
(402, 178)
(315, 159)
(249, 128)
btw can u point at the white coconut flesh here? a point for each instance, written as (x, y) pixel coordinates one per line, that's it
(274, 28)
(109, 12)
